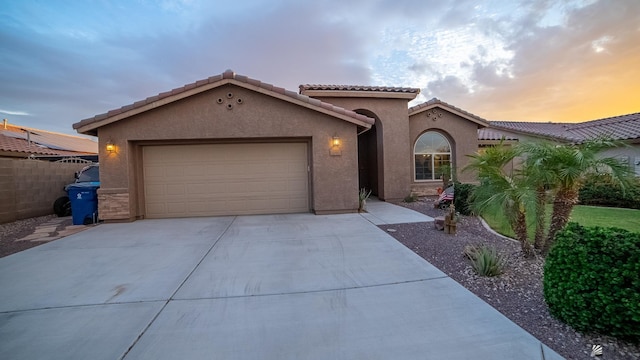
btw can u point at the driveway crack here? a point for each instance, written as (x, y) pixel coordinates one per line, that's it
(317, 291)
(178, 289)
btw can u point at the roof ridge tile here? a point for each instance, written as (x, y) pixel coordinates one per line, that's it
(358, 88)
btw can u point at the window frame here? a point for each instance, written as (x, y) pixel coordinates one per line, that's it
(432, 157)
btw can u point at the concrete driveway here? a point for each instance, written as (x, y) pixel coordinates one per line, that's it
(252, 287)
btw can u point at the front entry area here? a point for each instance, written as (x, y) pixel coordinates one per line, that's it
(225, 179)
(368, 161)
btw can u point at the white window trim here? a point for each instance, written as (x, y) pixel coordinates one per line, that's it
(413, 155)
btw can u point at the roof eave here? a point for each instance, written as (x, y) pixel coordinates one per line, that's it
(496, 142)
(91, 125)
(479, 121)
(307, 105)
(531, 133)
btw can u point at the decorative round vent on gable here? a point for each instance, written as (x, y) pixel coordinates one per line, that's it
(434, 115)
(228, 102)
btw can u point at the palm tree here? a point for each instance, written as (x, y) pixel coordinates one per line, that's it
(540, 179)
(565, 168)
(502, 190)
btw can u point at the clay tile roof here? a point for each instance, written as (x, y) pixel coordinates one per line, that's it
(437, 102)
(621, 127)
(490, 134)
(14, 139)
(241, 79)
(360, 88)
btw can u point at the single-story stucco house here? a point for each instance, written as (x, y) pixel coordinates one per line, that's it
(231, 145)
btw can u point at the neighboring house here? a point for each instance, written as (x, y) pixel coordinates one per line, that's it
(24, 142)
(28, 188)
(230, 145)
(624, 128)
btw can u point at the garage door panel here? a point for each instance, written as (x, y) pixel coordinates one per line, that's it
(201, 188)
(192, 170)
(297, 187)
(175, 189)
(275, 186)
(175, 208)
(225, 179)
(155, 208)
(154, 171)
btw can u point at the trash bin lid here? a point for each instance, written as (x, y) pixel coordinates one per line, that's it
(83, 185)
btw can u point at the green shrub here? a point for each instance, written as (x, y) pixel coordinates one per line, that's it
(592, 280)
(485, 260)
(461, 199)
(411, 198)
(599, 190)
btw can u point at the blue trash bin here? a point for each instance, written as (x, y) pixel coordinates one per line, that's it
(84, 202)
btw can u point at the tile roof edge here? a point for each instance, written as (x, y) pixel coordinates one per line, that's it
(20, 146)
(370, 88)
(204, 85)
(608, 120)
(492, 124)
(437, 102)
(37, 130)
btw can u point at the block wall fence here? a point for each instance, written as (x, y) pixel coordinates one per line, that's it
(28, 188)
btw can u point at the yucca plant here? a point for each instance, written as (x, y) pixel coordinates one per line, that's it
(485, 260)
(362, 198)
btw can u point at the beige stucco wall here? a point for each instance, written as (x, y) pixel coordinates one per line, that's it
(205, 117)
(630, 153)
(462, 135)
(394, 159)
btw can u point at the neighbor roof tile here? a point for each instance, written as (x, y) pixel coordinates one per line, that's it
(14, 139)
(490, 134)
(621, 127)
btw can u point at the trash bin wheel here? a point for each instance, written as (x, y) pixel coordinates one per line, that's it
(62, 206)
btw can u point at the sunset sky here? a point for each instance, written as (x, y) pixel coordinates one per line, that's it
(64, 61)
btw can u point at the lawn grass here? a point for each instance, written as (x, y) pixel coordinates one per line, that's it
(628, 219)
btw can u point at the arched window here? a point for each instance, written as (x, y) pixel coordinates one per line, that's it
(432, 154)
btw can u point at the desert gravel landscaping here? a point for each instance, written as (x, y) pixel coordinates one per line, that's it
(517, 293)
(10, 233)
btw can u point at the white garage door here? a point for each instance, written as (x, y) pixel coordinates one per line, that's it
(225, 179)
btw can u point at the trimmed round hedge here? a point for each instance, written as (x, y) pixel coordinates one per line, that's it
(592, 280)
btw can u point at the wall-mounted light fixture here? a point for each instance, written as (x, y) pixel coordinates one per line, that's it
(335, 146)
(335, 141)
(110, 147)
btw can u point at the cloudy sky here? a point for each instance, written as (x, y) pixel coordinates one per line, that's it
(529, 60)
